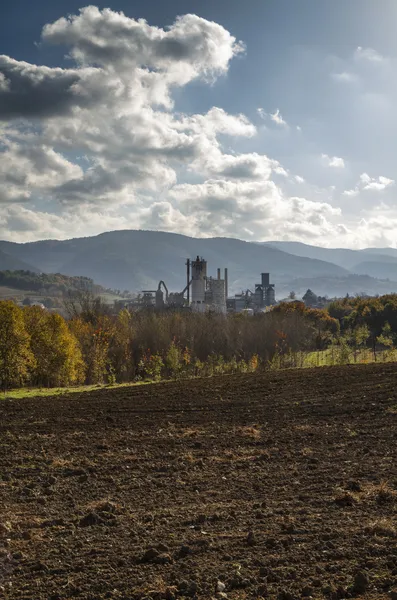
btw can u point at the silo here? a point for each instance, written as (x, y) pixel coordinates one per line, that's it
(199, 276)
(265, 279)
(259, 296)
(270, 295)
(218, 295)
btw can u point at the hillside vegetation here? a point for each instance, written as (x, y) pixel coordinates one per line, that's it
(137, 260)
(45, 283)
(94, 346)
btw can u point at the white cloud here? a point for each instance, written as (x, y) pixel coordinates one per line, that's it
(191, 47)
(377, 184)
(31, 168)
(367, 183)
(333, 161)
(278, 119)
(114, 106)
(368, 54)
(111, 108)
(351, 193)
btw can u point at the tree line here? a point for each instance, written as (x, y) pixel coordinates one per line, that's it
(94, 346)
(46, 282)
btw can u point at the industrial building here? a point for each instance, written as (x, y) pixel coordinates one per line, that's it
(204, 293)
(261, 299)
(207, 294)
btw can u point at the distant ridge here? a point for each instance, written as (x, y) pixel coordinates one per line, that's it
(135, 260)
(13, 263)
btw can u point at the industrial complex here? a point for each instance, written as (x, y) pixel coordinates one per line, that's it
(204, 293)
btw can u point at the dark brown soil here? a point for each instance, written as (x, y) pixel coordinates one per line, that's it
(279, 486)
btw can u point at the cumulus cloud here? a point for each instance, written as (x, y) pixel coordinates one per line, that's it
(28, 90)
(119, 57)
(191, 47)
(367, 183)
(375, 183)
(29, 168)
(333, 161)
(257, 208)
(114, 106)
(19, 222)
(142, 164)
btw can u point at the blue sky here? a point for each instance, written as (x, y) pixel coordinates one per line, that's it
(286, 135)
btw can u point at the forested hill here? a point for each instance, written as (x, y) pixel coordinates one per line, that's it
(43, 282)
(135, 260)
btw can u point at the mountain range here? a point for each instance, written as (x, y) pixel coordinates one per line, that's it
(135, 260)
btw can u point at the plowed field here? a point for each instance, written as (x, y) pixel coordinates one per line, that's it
(276, 485)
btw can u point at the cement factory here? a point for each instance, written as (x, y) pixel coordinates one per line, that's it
(204, 293)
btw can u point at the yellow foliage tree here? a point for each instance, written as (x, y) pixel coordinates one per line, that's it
(16, 357)
(56, 351)
(94, 341)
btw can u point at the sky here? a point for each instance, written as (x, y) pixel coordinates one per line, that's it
(260, 120)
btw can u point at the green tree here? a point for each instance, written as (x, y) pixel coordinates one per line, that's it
(173, 359)
(385, 339)
(16, 357)
(359, 337)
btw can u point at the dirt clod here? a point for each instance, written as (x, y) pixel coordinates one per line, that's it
(361, 583)
(251, 539)
(90, 519)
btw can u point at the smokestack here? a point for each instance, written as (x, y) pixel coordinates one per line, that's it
(226, 285)
(219, 273)
(188, 280)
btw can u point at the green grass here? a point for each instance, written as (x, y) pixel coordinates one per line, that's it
(328, 357)
(21, 393)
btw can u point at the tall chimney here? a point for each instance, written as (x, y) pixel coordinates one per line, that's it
(188, 280)
(219, 273)
(226, 285)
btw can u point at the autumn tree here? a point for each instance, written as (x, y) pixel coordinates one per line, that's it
(120, 348)
(58, 359)
(16, 357)
(94, 341)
